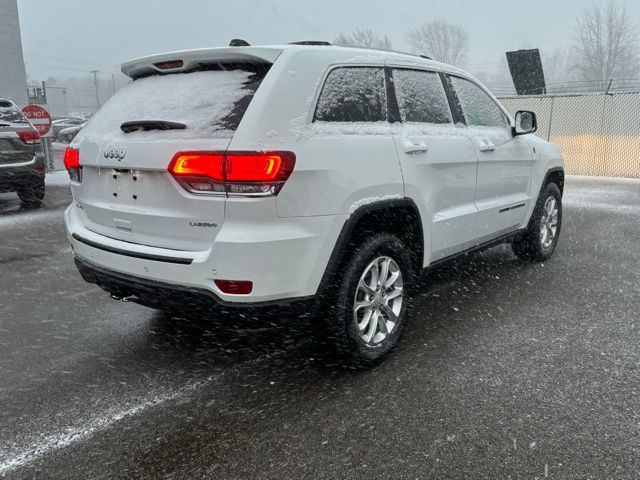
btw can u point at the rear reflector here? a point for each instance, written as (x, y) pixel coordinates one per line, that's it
(239, 173)
(29, 137)
(72, 164)
(235, 287)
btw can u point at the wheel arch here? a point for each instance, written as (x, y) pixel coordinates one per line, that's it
(399, 217)
(555, 175)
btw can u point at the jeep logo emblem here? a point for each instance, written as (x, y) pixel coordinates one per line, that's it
(114, 151)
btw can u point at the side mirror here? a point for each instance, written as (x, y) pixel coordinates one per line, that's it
(526, 122)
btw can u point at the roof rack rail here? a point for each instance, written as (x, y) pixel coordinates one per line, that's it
(239, 42)
(400, 52)
(311, 42)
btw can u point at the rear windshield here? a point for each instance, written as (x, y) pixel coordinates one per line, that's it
(11, 116)
(210, 103)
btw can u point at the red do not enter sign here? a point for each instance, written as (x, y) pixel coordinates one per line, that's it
(39, 117)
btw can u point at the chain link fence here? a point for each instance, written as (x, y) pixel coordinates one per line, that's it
(599, 134)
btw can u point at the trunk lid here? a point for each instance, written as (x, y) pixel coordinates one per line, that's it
(126, 191)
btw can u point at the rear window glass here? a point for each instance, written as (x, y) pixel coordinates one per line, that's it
(353, 94)
(210, 103)
(11, 115)
(421, 97)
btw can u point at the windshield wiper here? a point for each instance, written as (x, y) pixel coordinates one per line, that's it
(5, 124)
(145, 125)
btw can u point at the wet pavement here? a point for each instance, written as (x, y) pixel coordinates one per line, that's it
(507, 370)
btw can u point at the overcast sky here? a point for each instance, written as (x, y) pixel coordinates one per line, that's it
(68, 37)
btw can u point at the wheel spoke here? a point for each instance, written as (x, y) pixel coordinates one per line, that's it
(367, 304)
(551, 206)
(375, 275)
(363, 285)
(392, 279)
(362, 326)
(389, 313)
(393, 294)
(373, 327)
(382, 324)
(384, 273)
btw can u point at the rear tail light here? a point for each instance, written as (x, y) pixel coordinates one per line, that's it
(235, 173)
(72, 164)
(30, 137)
(235, 287)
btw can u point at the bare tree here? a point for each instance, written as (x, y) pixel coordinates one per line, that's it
(363, 38)
(559, 72)
(605, 44)
(441, 41)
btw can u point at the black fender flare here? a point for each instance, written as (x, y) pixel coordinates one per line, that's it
(346, 232)
(546, 179)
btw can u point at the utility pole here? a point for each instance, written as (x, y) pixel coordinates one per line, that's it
(113, 82)
(96, 82)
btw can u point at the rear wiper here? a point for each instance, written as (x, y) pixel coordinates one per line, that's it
(145, 125)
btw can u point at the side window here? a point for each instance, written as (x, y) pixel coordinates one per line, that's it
(10, 115)
(421, 97)
(479, 109)
(353, 94)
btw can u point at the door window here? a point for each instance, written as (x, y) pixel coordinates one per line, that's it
(479, 109)
(421, 97)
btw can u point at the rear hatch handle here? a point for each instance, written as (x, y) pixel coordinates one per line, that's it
(145, 125)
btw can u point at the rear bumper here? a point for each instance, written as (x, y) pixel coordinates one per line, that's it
(162, 295)
(284, 258)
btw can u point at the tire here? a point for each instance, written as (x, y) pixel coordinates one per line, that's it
(31, 192)
(534, 245)
(339, 320)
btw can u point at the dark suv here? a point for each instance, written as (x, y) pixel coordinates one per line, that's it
(22, 163)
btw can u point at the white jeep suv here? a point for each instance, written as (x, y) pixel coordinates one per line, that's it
(251, 176)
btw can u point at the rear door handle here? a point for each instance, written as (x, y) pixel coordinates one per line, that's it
(486, 145)
(414, 147)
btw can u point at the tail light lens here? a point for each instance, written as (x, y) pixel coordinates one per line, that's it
(30, 137)
(235, 173)
(72, 164)
(199, 172)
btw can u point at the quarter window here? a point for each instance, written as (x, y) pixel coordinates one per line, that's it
(479, 109)
(353, 94)
(421, 97)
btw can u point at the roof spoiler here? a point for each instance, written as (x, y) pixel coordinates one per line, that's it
(189, 59)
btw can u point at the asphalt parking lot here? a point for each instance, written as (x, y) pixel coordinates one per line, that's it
(508, 370)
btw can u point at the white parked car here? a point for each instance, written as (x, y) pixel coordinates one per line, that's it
(253, 176)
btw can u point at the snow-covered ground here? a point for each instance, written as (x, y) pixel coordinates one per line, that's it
(603, 193)
(57, 179)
